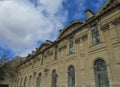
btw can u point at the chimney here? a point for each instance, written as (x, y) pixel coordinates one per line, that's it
(33, 52)
(89, 13)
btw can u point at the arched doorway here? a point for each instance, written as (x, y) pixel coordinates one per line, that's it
(101, 75)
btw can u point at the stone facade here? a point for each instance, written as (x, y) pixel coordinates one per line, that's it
(81, 54)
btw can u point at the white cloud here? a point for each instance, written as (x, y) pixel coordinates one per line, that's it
(21, 25)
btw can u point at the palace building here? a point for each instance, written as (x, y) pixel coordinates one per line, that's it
(85, 54)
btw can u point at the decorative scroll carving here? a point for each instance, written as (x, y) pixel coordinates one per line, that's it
(63, 47)
(48, 53)
(77, 40)
(105, 27)
(46, 70)
(114, 22)
(84, 37)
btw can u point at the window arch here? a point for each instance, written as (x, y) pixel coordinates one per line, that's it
(71, 76)
(39, 80)
(101, 75)
(54, 79)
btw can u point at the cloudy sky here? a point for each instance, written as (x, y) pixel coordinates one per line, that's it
(25, 24)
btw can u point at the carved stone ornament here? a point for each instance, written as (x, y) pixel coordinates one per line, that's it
(84, 37)
(63, 47)
(48, 53)
(46, 71)
(114, 22)
(105, 27)
(77, 40)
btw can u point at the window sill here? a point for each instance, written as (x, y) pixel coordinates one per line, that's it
(93, 45)
(98, 47)
(71, 55)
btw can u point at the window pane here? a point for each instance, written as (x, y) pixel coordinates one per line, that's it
(38, 80)
(101, 74)
(71, 77)
(95, 35)
(54, 79)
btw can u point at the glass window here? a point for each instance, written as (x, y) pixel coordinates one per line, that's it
(71, 77)
(101, 75)
(95, 35)
(54, 79)
(71, 45)
(38, 80)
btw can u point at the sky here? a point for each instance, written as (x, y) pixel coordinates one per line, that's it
(25, 24)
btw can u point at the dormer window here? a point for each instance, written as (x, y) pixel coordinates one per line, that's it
(95, 35)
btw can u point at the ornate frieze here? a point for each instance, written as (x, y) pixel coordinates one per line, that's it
(48, 53)
(116, 21)
(81, 38)
(63, 47)
(105, 27)
(113, 22)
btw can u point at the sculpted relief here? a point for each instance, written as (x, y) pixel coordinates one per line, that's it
(114, 22)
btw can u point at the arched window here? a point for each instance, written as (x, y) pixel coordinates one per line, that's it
(54, 79)
(101, 76)
(29, 82)
(71, 77)
(39, 80)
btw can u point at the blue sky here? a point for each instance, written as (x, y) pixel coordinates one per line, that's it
(25, 24)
